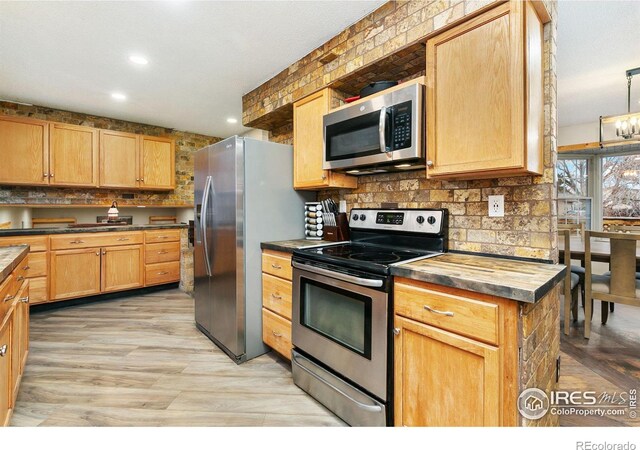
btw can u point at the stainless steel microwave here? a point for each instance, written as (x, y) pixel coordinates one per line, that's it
(383, 131)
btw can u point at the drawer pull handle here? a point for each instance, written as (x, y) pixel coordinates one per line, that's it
(162, 273)
(162, 252)
(9, 298)
(76, 242)
(26, 268)
(24, 299)
(163, 237)
(276, 266)
(435, 311)
(276, 334)
(276, 296)
(3, 350)
(19, 278)
(123, 239)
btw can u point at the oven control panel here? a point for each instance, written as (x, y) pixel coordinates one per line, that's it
(408, 220)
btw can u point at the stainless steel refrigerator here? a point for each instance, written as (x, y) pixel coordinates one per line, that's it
(243, 195)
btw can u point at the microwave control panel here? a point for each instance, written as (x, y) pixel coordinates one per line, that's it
(401, 117)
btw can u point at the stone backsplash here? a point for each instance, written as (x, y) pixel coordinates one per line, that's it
(186, 144)
(530, 224)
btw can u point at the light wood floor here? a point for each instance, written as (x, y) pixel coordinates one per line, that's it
(139, 361)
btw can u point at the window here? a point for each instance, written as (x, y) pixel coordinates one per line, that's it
(574, 203)
(621, 186)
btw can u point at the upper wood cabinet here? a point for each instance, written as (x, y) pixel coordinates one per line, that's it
(119, 161)
(485, 105)
(308, 145)
(73, 155)
(24, 151)
(157, 163)
(36, 152)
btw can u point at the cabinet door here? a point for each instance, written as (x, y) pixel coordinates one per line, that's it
(23, 313)
(475, 95)
(157, 162)
(73, 155)
(75, 273)
(122, 268)
(24, 151)
(442, 379)
(307, 141)
(119, 159)
(5, 370)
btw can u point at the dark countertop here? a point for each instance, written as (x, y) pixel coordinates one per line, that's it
(98, 229)
(508, 278)
(293, 244)
(10, 257)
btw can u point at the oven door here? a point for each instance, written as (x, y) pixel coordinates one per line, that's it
(382, 130)
(342, 324)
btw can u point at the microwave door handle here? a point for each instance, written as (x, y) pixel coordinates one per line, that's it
(382, 129)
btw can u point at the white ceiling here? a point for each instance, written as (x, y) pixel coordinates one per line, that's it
(203, 56)
(597, 42)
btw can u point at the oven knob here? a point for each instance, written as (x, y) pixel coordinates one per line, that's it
(355, 217)
(362, 217)
(431, 220)
(420, 219)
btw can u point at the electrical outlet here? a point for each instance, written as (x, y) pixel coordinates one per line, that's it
(496, 206)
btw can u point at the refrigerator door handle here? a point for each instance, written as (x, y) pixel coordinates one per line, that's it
(203, 223)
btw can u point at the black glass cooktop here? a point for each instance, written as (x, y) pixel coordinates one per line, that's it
(361, 256)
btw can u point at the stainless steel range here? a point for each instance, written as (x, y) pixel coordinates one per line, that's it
(342, 309)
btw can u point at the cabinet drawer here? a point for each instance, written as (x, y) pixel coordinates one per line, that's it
(20, 272)
(161, 273)
(162, 252)
(87, 240)
(8, 291)
(463, 316)
(276, 333)
(276, 295)
(38, 290)
(153, 236)
(35, 243)
(35, 265)
(277, 263)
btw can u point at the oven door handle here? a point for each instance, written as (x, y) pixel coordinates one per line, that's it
(370, 408)
(340, 276)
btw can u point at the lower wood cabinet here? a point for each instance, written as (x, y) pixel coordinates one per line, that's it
(75, 273)
(449, 370)
(276, 301)
(14, 340)
(122, 268)
(5, 369)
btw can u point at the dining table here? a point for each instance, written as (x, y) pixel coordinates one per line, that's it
(600, 250)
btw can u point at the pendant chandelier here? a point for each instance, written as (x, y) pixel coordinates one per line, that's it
(627, 126)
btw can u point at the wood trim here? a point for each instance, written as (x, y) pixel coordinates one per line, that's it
(578, 147)
(53, 220)
(541, 10)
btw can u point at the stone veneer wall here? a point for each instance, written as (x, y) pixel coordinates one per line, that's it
(186, 263)
(529, 227)
(186, 144)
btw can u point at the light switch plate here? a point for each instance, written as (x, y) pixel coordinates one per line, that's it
(496, 206)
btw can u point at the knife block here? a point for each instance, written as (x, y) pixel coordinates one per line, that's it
(339, 232)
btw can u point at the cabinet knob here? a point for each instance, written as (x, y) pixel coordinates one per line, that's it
(50, 175)
(3, 350)
(429, 163)
(45, 175)
(141, 179)
(324, 176)
(137, 179)
(396, 331)
(97, 253)
(104, 252)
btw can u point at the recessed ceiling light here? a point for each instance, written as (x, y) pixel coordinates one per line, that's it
(118, 96)
(137, 59)
(232, 120)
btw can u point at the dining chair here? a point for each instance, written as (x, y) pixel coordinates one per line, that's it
(620, 285)
(571, 285)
